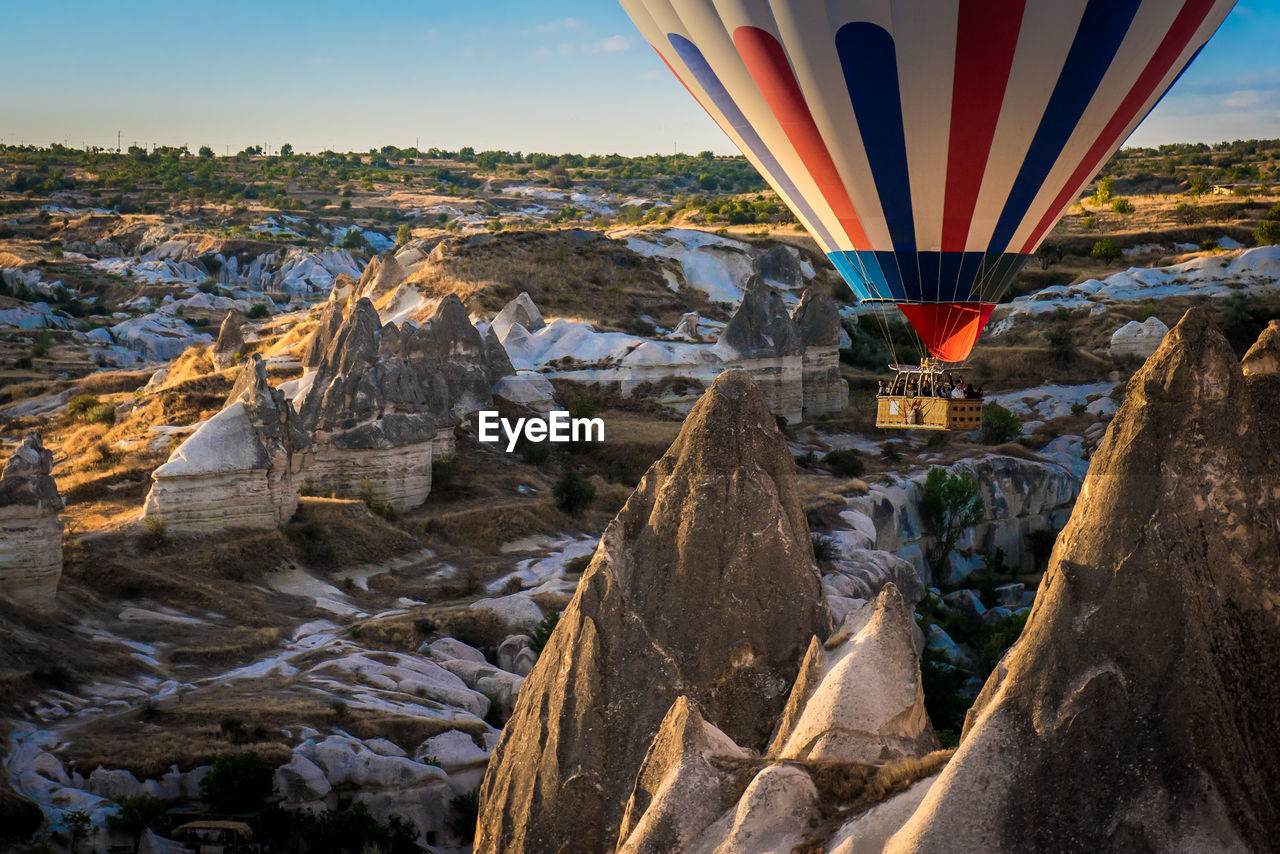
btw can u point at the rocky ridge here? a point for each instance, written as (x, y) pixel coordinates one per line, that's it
(30, 530)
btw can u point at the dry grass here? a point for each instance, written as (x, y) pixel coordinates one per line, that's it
(568, 273)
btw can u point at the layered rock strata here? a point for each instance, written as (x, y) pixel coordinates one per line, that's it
(30, 530)
(240, 469)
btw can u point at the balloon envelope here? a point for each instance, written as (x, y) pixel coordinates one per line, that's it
(928, 145)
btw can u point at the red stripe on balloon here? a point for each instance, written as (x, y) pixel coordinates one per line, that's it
(1171, 47)
(948, 329)
(769, 67)
(986, 38)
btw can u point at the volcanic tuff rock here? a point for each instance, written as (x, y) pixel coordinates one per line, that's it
(383, 275)
(239, 469)
(859, 697)
(1138, 339)
(680, 789)
(818, 320)
(30, 530)
(521, 310)
(230, 340)
(762, 339)
(1264, 356)
(1138, 711)
(385, 397)
(703, 586)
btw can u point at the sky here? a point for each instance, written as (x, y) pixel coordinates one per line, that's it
(521, 75)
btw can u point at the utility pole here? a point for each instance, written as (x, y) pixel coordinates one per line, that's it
(117, 142)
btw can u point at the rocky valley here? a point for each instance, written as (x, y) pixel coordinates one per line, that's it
(258, 565)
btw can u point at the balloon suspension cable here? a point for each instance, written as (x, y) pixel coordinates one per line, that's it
(877, 315)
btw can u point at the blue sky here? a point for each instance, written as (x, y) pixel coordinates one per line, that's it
(546, 75)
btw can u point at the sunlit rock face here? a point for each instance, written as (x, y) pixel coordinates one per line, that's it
(1138, 710)
(240, 469)
(30, 530)
(704, 587)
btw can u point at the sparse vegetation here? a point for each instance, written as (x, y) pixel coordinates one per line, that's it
(999, 425)
(573, 492)
(950, 504)
(542, 632)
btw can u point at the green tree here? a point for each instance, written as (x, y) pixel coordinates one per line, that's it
(78, 823)
(1267, 233)
(1106, 187)
(950, 504)
(286, 150)
(403, 234)
(999, 425)
(1049, 254)
(136, 814)
(206, 152)
(542, 631)
(1122, 206)
(573, 492)
(1105, 251)
(353, 239)
(238, 782)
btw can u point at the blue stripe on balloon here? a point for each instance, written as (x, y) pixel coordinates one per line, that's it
(710, 83)
(928, 276)
(1097, 41)
(870, 65)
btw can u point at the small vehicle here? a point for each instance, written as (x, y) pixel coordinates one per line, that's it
(921, 398)
(214, 837)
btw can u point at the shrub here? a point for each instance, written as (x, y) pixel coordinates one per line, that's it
(1060, 341)
(238, 782)
(950, 504)
(1122, 206)
(1209, 245)
(258, 311)
(999, 425)
(403, 234)
(136, 814)
(844, 462)
(155, 535)
(573, 492)
(1105, 251)
(805, 460)
(443, 473)
(1079, 408)
(1267, 233)
(891, 452)
(465, 812)
(43, 344)
(542, 632)
(825, 549)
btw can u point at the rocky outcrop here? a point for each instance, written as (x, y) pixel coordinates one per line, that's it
(680, 789)
(1019, 496)
(1138, 340)
(1263, 358)
(383, 275)
(30, 530)
(230, 341)
(860, 698)
(762, 339)
(1138, 710)
(240, 469)
(703, 587)
(818, 320)
(520, 310)
(385, 397)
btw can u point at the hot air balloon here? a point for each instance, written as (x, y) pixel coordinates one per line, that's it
(928, 145)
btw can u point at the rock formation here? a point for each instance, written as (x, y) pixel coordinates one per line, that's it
(703, 587)
(762, 339)
(383, 275)
(1138, 710)
(818, 320)
(1138, 340)
(30, 530)
(1020, 496)
(1264, 356)
(230, 341)
(859, 697)
(521, 310)
(687, 328)
(680, 790)
(240, 469)
(385, 397)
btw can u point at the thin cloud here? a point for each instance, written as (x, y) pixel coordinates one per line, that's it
(559, 25)
(613, 44)
(1247, 98)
